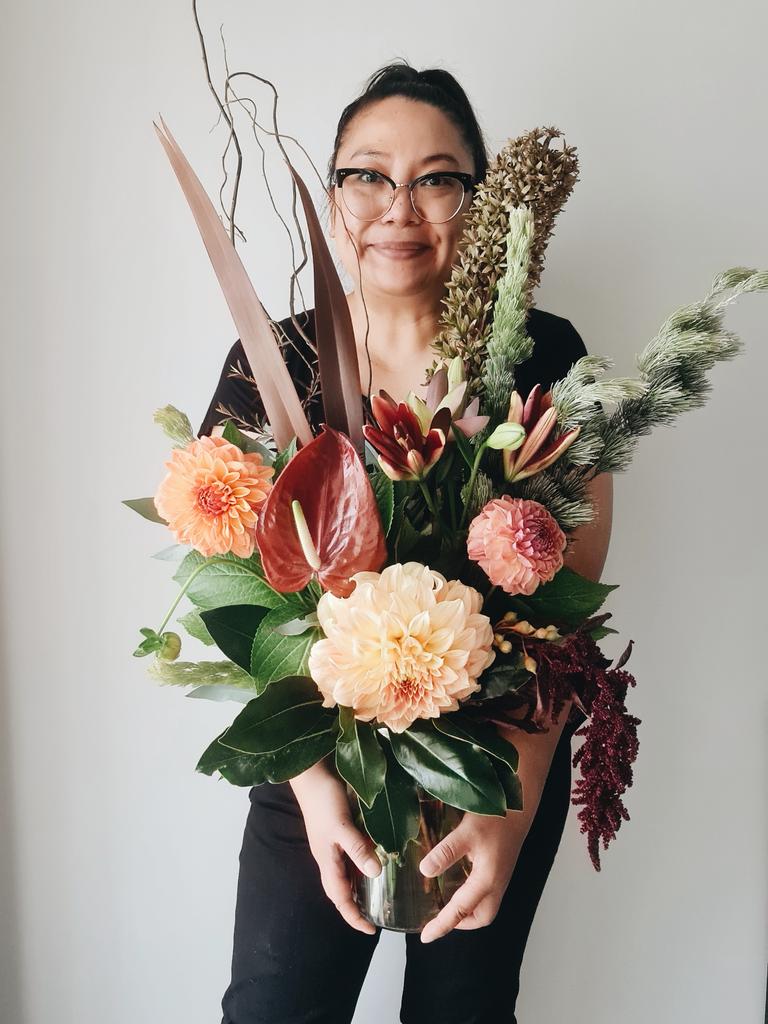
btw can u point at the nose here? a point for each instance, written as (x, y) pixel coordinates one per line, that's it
(401, 211)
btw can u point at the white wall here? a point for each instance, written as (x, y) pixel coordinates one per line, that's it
(117, 862)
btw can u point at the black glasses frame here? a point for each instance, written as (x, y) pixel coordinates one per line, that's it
(467, 180)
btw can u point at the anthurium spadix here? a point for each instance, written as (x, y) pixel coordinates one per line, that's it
(320, 519)
(539, 419)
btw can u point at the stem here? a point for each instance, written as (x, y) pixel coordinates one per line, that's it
(430, 505)
(471, 481)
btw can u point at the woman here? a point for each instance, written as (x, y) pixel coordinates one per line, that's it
(301, 946)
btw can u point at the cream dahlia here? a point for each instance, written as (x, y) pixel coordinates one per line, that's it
(407, 643)
(211, 495)
(517, 543)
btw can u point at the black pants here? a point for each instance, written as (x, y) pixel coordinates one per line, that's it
(296, 961)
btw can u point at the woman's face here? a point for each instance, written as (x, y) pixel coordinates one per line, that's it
(400, 254)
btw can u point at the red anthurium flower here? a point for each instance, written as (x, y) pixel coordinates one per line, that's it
(539, 418)
(407, 451)
(321, 519)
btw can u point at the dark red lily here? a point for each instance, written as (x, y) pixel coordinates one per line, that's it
(338, 517)
(405, 450)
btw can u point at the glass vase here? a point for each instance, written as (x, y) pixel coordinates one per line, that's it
(400, 898)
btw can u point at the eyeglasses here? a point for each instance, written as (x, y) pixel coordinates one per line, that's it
(435, 197)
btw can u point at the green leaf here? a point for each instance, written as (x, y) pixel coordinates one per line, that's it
(449, 769)
(145, 507)
(286, 711)
(174, 553)
(393, 819)
(283, 458)
(254, 770)
(360, 760)
(568, 598)
(275, 655)
(503, 677)
(511, 784)
(385, 497)
(226, 580)
(601, 631)
(220, 691)
(233, 629)
(480, 734)
(245, 443)
(403, 536)
(195, 626)
(464, 445)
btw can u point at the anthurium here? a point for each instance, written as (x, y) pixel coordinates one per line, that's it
(538, 418)
(321, 519)
(406, 449)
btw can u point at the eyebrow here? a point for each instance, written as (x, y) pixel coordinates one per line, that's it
(427, 159)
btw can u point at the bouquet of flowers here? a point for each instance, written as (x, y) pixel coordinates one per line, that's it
(392, 596)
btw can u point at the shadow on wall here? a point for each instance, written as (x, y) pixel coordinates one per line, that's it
(10, 979)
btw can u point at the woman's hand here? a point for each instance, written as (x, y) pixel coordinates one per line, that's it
(324, 804)
(492, 844)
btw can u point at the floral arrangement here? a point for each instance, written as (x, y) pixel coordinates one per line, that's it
(393, 595)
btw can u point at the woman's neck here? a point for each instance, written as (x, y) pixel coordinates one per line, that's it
(399, 331)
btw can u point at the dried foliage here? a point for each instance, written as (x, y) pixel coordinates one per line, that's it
(526, 172)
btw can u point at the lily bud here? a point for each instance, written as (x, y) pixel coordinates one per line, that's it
(507, 436)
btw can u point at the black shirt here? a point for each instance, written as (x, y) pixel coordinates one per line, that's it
(556, 347)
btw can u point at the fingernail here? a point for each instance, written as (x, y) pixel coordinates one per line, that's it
(372, 868)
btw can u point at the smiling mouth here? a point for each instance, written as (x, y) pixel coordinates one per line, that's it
(400, 250)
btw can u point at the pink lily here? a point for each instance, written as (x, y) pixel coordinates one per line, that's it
(440, 395)
(538, 418)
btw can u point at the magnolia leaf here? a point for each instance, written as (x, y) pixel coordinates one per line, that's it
(480, 734)
(451, 770)
(393, 819)
(359, 757)
(287, 711)
(233, 629)
(146, 508)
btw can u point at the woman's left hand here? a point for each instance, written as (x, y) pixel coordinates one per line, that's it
(492, 844)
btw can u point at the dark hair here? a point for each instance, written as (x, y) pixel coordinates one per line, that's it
(434, 86)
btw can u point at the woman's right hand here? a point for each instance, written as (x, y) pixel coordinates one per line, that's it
(322, 797)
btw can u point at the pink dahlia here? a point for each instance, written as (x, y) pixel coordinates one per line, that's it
(407, 643)
(517, 543)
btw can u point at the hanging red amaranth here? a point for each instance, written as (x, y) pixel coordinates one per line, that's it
(574, 668)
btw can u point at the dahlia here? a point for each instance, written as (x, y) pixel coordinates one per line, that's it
(517, 543)
(406, 643)
(211, 495)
